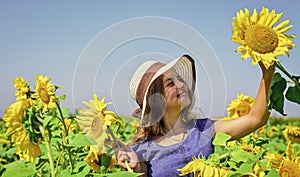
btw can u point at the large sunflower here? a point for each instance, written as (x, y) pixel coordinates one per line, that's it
(288, 165)
(259, 38)
(199, 168)
(26, 149)
(44, 92)
(240, 106)
(93, 121)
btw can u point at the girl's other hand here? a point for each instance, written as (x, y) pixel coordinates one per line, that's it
(125, 154)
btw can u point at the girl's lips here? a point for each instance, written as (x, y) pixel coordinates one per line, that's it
(181, 94)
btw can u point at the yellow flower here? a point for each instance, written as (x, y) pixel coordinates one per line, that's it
(94, 159)
(4, 141)
(22, 88)
(259, 38)
(93, 121)
(201, 169)
(275, 160)
(292, 133)
(26, 149)
(240, 106)
(250, 148)
(109, 117)
(287, 166)
(2, 160)
(289, 169)
(271, 131)
(71, 127)
(44, 92)
(231, 143)
(258, 171)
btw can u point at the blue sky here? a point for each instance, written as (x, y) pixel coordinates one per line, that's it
(53, 38)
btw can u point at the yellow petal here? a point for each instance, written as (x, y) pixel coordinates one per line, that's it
(281, 25)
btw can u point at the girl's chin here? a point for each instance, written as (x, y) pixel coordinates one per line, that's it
(185, 103)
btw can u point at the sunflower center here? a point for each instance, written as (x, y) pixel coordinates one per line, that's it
(261, 39)
(44, 95)
(289, 169)
(97, 127)
(243, 108)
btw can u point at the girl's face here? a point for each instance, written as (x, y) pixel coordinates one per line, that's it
(176, 91)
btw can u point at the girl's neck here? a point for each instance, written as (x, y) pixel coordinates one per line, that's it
(173, 122)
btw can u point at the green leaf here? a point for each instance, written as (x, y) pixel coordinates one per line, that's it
(19, 168)
(46, 120)
(83, 172)
(79, 165)
(78, 140)
(276, 97)
(257, 156)
(234, 174)
(221, 139)
(239, 155)
(264, 163)
(272, 173)
(65, 112)
(63, 97)
(105, 160)
(65, 173)
(293, 94)
(246, 168)
(232, 164)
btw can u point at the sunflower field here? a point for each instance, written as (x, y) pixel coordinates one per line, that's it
(40, 138)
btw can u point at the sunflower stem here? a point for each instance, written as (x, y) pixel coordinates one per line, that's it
(67, 133)
(49, 153)
(61, 118)
(223, 156)
(281, 68)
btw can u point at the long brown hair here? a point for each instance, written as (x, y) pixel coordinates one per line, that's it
(155, 109)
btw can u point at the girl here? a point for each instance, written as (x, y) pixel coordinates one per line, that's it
(168, 138)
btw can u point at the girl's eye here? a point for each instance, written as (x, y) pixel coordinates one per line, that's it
(180, 79)
(171, 83)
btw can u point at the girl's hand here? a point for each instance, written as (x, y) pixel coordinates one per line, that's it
(125, 155)
(267, 73)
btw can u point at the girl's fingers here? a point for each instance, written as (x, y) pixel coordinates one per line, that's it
(124, 157)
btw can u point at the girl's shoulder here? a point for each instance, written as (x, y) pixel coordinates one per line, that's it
(204, 124)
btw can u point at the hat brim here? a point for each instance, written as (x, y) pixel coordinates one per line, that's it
(184, 66)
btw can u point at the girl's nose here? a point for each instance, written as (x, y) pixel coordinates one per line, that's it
(179, 84)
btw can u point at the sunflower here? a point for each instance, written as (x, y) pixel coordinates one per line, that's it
(272, 130)
(94, 159)
(288, 165)
(275, 160)
(239, 107)
(292, 133)
(259, 38)
(26, 149)
(289, 169)
(22, 88)
(251, 148)
(93, 121)
(44, 92)
(71, 127)
(201, 169)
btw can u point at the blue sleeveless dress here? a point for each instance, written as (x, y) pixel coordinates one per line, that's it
(165, 160)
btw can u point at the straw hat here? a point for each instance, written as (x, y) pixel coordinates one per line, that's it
(150, 70)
